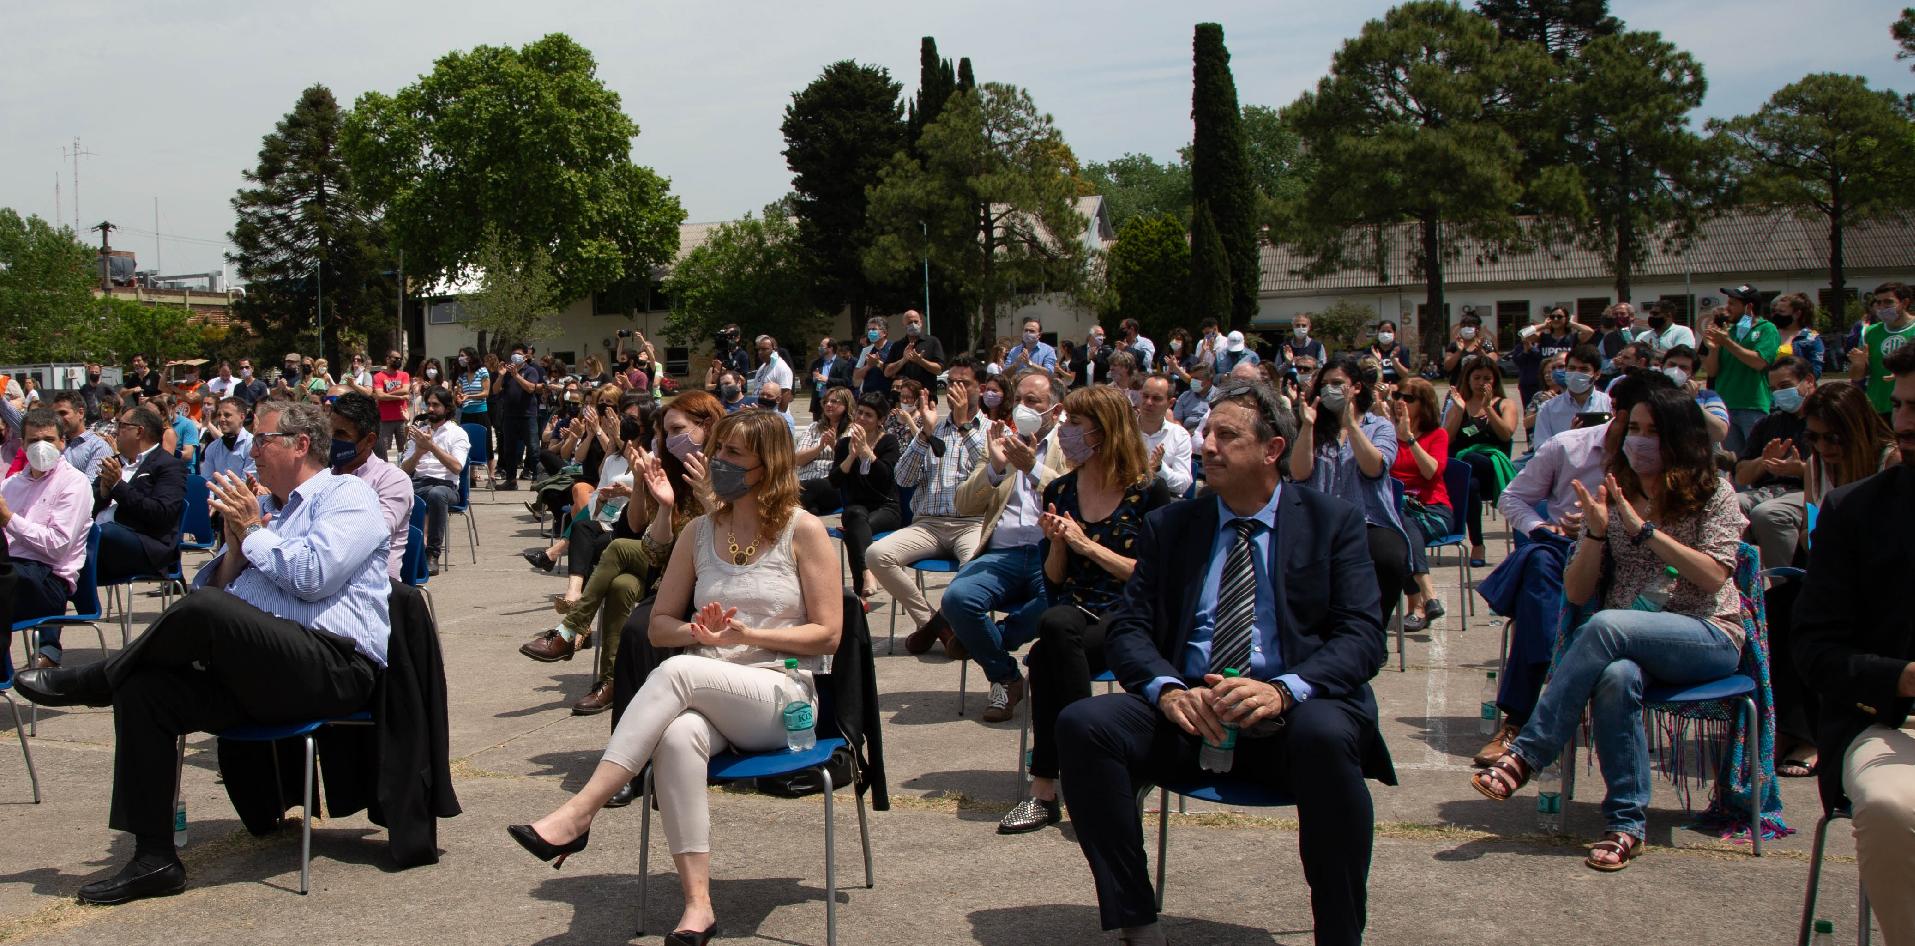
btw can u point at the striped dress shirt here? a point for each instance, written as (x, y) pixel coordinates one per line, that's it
(937, 473)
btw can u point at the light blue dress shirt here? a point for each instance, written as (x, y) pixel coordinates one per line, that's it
(320, 563)
(1266, 655)
(217, 459)
(85, 452)
(1043, 356)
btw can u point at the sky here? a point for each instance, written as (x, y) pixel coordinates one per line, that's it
(171, 100)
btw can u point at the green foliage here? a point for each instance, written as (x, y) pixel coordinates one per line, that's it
(1149, 272)
(1903, 32)
(527, 143)
(751, 272)
(1635, 175)
(516, 299)
(302, 228)
(1824, 146)
(161, 333)
(936, 82)
(1281, 168)
(993, 190)
(1563, 27)
(1136, 186)
(47, 310)
(1220, 174)
(1344, 326)
(1416, 117)
(839, 131)
(1209, 292)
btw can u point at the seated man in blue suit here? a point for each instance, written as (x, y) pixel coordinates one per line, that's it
(1283, 593)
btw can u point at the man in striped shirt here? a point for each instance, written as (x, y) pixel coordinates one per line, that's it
(290, 623)
(939, 458)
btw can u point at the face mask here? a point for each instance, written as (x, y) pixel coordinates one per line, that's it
(1385, 339)
(768, 403)
(824, 350)
(1075, 443)
(189, 379)
(629, 430)
(1333, 398)
(93, 379)
(1678, 375)
(1644, 454)
(871, 336)
(1028, 422)
(432, 372)
(1300, 332)
(992, 399)
(245, 372)
(42, 455)
(728, 481)
(913, 329)
(1176, 345)
(1788, 400)
(1030, 339)
(1559, 377)
(1744, 323)
(343, 452)
(463, 362)
(727, 391)
(229, 440)
(1097, 341)
(681, 446)
(518, 358)
(1885, 314)
(1658, 323)
(1196, 386)
(1579, 382)
(1782, 319)
(1468, 332)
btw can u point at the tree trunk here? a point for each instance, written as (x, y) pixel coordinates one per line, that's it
(987, 309)
(1434, 326)
(1625, 252)
(1838, 280)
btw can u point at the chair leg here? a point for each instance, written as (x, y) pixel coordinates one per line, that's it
(964, 672)
(1568, 763)
(864, 835)
(644, 846)
(1755, 769)
(831, 864)
(1402, 658)
(1863, 934)
(1502, 660)
(1815, 883)
(306, 824)
(1163, 841)
(1023, 771)
(472, 536)
(33, 777)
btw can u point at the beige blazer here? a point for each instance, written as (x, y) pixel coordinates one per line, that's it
(977, 497)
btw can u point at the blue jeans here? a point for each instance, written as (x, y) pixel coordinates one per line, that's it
(1009, 580)
(1741, 424)
(439, 495)
(1606, 667)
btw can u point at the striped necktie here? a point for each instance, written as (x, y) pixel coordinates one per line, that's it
(1231, 635)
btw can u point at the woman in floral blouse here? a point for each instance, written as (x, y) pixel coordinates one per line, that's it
(1091, 519)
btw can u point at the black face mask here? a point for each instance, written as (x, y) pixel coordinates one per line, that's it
(768, 403)
(630, 431)
(1658, 323)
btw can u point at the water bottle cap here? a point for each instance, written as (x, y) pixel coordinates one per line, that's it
(791, 663)
(1231, 672)
(1492, 674)
(1825, 926)
(1670, 571)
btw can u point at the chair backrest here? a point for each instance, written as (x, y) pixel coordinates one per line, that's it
(1396, 494)
(86, 587)
(196, 521)
(465, 486)
(904, 504)
(418, 512)
(1461, 487)
(481, 451)
(413, 568)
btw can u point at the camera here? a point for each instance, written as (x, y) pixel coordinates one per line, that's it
(624, 333)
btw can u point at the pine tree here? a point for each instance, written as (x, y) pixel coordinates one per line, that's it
(839, 132)
(1220, 179)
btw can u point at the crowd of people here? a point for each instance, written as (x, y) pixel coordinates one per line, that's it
(1224, 529)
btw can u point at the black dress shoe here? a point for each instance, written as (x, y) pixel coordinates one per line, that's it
(691, 937)
(1031, 814)
(540, 560)
(78, 686)
(529, 838)
(624, 796)
(136, 881)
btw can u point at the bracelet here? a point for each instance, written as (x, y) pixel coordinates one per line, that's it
(1289, 698)
(1647, 532)
(1593, 537)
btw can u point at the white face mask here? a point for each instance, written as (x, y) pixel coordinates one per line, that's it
(1027, 421)
(1468, 332)
(1679, 376)
(42, 455)
(1386, 339)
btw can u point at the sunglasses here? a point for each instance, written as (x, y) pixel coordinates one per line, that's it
(1403, 396)
(1831, 438)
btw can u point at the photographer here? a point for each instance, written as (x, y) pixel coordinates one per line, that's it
(916, 356)
(727, 353)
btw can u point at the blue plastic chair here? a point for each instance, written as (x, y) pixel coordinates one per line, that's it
(304, 732)
(464, 508)
(1217, 789)
(480, 452)
(414, 567)
(85, 602)
(122, 592)
(844, 557)
(735, 766)
(197, 521)
(19, 727)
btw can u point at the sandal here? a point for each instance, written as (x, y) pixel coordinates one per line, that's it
(562, 604)
(1624, 847)
(1505, 777)
(1795, 768)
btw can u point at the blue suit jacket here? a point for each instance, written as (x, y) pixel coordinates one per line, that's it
(1329, 612)
(150, 504)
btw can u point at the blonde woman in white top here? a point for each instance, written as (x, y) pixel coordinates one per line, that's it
(760, 583)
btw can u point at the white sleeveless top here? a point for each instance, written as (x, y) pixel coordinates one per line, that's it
(765, 592)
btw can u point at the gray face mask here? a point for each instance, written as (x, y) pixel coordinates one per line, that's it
(728, 480)
(1333, 399)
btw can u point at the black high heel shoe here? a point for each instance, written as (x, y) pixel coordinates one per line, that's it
(691, 937)
(545, 850)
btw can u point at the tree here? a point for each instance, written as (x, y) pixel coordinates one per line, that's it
(1210, 282)
(1149, 270)
(516, 299)
(751, 272)
(839, 132)
(1135, 186)
(1903, 31)
(993, 193)
(1563, 27)
(1641, 177)
(526, 143)
(314, 256)
(1413, 119)
(46, 291)
(1220, 174)
(1824, 146)
(161, 333)
(936, 82)
(1281, 168)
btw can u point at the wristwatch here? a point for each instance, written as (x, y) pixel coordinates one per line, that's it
(1642, 535)
(1289, 698)
(255, 527)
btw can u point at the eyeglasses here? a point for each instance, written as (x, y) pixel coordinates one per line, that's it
(270, 434)
(1403, 396)
(1831, 438)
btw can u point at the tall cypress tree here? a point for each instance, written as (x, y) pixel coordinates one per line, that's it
(1220, 179)
(1210, 281)
(966, 80)
(839, 131)
(936, 82)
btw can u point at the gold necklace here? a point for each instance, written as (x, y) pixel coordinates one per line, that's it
(740, 556)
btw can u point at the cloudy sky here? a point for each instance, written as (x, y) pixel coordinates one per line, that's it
(172, 98)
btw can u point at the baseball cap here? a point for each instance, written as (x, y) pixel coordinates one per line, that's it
(1744, 293)
(1235, 340)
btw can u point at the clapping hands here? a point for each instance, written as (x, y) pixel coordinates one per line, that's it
(716, 626)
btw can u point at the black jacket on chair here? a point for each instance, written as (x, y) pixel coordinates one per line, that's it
(1329, 615)
(1854, 633)
(398, 769)
(853, 678)
(150, 504)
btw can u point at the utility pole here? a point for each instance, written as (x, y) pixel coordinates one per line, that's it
(76, 153)
(926, 233)
(106, 229)
(399, 311)
(159, 264)
(58, 213)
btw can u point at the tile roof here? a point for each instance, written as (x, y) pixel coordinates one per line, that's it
(1741, 244)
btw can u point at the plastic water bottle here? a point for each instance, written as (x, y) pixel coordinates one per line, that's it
(801, 724)
(1488, 711)
(1218, 757)
(179, 823)
(1656, 596)
(1549, 798)
(1824, 933)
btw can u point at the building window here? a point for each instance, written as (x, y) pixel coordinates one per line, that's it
(1511, 316)
(621, 298)
(678, 361)
(1684, 306)
(656, 299)
(445, 313)
(1589, 311)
